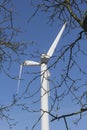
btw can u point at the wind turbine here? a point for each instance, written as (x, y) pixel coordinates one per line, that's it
(44, 79)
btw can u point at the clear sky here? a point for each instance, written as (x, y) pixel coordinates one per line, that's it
(39, 31)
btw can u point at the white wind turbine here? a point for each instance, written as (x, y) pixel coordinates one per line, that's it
(44, 79)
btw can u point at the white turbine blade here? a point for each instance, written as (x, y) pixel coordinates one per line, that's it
(25, 63)
(53, 46)
(30, 63)
(19, 78)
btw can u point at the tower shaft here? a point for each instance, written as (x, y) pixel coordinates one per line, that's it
(44, 98)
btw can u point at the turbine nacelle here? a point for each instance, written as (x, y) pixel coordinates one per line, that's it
(44, 58)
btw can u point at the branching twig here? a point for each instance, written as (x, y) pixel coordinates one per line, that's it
(68, 115)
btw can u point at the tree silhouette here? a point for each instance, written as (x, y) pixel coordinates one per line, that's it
(72, 80)
(75, 15)
(8, 45)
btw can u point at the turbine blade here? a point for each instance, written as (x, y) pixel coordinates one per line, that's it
(30, 63)
(25, 63)
(19, 78)
(53, 46)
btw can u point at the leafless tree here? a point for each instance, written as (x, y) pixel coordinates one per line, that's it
(73, 75)
(10, 49)
(75, 14)
(8, 45)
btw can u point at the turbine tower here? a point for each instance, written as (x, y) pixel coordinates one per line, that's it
(44, 79)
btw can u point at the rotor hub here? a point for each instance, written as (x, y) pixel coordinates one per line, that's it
(44, 58)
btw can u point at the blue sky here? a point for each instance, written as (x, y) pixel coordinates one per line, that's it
(43, 34)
